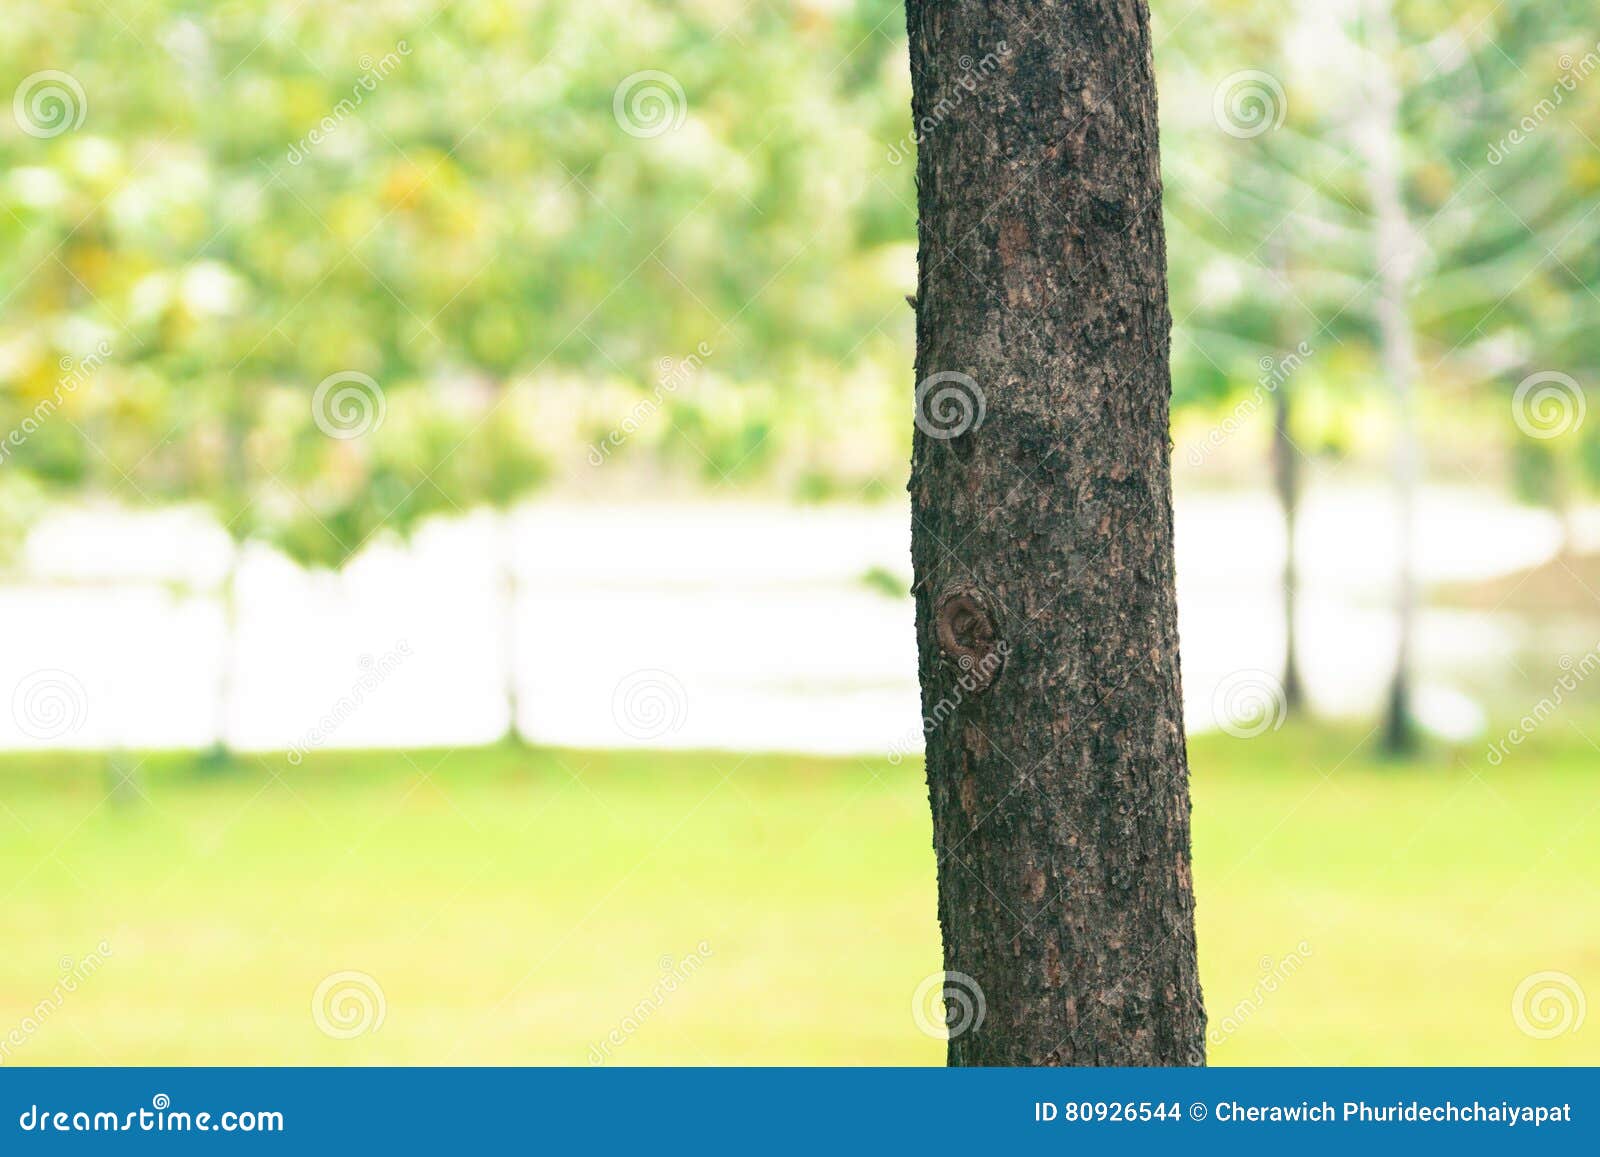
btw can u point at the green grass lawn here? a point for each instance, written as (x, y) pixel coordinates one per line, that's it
(516, 906)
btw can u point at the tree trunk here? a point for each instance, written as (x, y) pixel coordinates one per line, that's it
(1396, 254)
(505, 532)
(228, 657)
(1286, 472)
(1565, 506)
(1286, 481)
(236, 478)
(1042, 538)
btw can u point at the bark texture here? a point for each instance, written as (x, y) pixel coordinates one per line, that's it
(1042, 538)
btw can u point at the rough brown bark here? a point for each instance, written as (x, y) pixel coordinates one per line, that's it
(1042, 537)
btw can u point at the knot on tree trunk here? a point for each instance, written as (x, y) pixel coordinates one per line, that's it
(968, 636)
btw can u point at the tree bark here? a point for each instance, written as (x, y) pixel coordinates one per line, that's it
(1042, 538)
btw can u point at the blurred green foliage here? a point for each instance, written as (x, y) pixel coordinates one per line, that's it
(510, 218)
(1273, 239)
(524, 239)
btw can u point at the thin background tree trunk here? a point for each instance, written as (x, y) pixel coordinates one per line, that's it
(1396, 244)
(228, 654)
(1286, 476)
(1042, 538)
(506, 536)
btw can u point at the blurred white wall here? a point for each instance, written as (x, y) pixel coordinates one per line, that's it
(717, 625)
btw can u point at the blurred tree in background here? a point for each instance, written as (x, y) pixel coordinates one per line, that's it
(330, 273)
(351, 273)
(463, 206)
(1358, 217)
